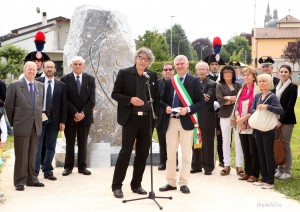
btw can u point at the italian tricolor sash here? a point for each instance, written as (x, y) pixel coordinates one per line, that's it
(187, 101)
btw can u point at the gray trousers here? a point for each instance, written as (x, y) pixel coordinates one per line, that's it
(286, 131)
(25, 155)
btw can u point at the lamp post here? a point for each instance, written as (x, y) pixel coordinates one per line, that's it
(202, 48)
(179, 45)
(171, 43)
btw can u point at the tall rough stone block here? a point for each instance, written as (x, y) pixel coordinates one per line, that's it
(103, 38)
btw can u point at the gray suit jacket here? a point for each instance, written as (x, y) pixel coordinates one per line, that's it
(20, 111)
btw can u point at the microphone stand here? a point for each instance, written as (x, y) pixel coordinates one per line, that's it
(151, 193)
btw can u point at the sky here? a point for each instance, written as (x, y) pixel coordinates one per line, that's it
(198, 18)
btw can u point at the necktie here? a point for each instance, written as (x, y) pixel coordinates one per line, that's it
(31, 93)
(49, 98)
(78, 84)
(176, 98)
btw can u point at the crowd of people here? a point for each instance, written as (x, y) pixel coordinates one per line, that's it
(186, 110)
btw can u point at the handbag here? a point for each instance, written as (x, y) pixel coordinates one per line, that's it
(279, 148)
(263, 120)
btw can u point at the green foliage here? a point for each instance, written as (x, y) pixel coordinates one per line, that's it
(157, 43)
(225, 55)
(236, 47)
(179, 41)
(11, 60)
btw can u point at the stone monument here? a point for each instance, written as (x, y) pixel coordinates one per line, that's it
(103, 38)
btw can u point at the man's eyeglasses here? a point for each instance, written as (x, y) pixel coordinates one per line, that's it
(141, 58)
(168, 69)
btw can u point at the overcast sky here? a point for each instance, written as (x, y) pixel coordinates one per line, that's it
(198, 18)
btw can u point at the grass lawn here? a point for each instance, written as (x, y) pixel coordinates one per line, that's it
(291, 186)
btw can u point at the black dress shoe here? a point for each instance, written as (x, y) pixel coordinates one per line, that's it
(50, 177)
(162, 167)
(118, 193)
(167, 188)
(139, 190)
(38, 184)
(85, 172)
(207, 173)
(195, 171)
(177, 168)
(20, 188)
(66, 172)
(184, 189)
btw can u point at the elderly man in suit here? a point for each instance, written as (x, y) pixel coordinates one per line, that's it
(54, 118)
(204, 158)
(80, 89)
(24, 105)
(134, 114)
(181, 98)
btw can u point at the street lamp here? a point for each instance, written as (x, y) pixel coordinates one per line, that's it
(179, 44)
(171, 50)
(202, 48)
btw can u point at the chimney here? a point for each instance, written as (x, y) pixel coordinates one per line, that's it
(44, 19)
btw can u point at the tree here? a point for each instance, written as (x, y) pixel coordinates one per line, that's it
(180, 43)
(203, 47)
(234, 47)
(248, 36)
(292, 52)
(11, 60)
(157, 43)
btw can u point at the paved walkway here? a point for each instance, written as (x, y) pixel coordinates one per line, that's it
(93, 193)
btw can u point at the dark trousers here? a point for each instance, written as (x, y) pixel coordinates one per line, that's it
(251, 159)
(204, 158)
(265, 145)
(48, 138)
(162, 144)
(25, 154)
(219, 141)
(81, 132)
(137, 129)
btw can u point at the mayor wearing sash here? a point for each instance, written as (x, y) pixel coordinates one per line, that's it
(181, 99)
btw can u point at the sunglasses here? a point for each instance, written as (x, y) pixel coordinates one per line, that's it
(168, 69)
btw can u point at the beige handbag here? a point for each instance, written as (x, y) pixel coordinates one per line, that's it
(263, 120)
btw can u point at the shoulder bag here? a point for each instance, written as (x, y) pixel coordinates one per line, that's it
(263, 120)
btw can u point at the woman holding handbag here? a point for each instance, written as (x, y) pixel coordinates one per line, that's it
(243, 103)
(287, 93)
(226, 92)
(266, 101)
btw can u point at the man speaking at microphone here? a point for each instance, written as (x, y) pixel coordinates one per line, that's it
(134, 113)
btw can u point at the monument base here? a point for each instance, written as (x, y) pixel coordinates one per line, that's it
(60, 153)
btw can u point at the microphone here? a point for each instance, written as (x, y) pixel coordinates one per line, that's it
(146, 75)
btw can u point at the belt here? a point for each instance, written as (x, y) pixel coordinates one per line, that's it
(175, 117)
(47, 114)
(140, 113)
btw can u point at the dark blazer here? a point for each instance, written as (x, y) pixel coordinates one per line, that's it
(206, 114)
(59, 102)
(20, 112)
(125, 88)
(288, 100)
(192, 85)
(84, 102)
(223, 90)
(2, 93)
(162, 114)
